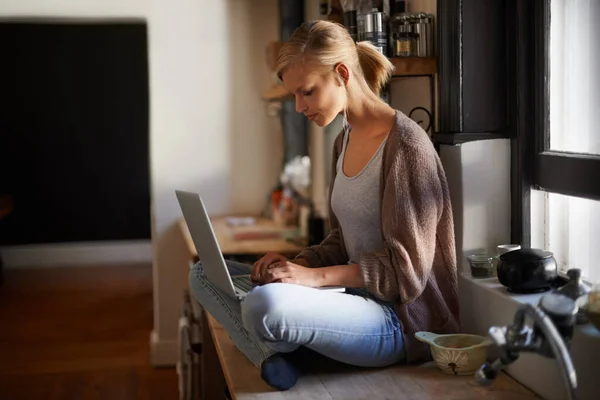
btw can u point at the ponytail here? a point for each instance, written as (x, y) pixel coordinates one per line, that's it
(377, 68)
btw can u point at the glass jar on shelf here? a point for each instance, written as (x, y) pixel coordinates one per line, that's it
(403, 39)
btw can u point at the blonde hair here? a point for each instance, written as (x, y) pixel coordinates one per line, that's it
(327, 44)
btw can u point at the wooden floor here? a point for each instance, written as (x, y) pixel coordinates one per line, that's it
(79, 333)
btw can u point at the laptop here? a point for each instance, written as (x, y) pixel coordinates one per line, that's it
(209, 252)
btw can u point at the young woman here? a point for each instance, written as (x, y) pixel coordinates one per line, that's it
(391, 241)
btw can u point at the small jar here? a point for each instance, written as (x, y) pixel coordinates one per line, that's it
(405, 44)
(403, 41)
(482, 265)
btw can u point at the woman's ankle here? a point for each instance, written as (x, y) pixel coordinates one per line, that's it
(279, 372)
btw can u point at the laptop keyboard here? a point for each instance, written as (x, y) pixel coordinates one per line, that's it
(243, 283)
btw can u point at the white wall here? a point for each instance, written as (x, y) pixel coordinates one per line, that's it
(209, 131)
(481, 194)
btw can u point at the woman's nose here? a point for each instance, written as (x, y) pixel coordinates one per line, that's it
(300, 105)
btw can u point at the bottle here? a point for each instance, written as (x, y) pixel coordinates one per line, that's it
(375, 29)
(574, 289)
(419, 26)
(429, 32)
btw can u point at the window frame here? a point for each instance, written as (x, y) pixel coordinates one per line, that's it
(533, 165)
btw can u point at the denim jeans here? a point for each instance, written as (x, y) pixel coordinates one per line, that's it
(353, 327)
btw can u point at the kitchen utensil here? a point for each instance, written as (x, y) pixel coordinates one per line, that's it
(527, 270)
(457, 353)
(574, 289)
(501, 249)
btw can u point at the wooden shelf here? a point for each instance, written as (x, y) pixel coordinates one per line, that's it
(413, 66)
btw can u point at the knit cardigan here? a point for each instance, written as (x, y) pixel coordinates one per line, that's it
(416, 269)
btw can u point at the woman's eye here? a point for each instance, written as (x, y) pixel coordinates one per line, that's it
(308, 93)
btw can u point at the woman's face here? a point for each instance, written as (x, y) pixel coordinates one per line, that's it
(319, 96)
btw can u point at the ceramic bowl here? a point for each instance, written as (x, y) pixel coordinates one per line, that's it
(457, 354)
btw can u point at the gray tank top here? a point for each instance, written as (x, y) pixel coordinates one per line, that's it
(356, 202)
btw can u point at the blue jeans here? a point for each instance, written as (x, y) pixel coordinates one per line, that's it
(353, 327)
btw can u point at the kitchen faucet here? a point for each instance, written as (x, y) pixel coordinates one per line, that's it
(550, 336)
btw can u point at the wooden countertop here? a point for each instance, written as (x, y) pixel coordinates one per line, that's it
(226, 236)
(399, 382)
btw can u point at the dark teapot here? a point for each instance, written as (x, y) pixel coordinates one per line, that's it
(527, 270)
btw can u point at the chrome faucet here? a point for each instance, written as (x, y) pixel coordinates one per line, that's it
(550, 336)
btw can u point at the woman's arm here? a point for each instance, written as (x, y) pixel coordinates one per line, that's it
(340, 275)
(328, 252)
(294, 272)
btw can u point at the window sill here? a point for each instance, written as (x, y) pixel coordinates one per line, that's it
(494, 286)
(486, 303)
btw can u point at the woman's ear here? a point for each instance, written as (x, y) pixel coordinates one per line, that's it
(343, 72)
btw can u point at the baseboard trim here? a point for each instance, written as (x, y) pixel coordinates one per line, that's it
(77, 254)
(163, 353)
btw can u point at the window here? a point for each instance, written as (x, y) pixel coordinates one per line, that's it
(559, 148)
(569, 227)
(574, 82)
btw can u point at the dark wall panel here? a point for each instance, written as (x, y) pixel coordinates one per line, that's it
(473, 53)
(74, 131)
(484, 66)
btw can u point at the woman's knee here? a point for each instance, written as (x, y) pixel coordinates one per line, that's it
(263, 307)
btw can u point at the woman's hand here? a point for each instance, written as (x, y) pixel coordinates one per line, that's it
(260, 267)
(288, 272)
